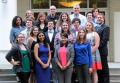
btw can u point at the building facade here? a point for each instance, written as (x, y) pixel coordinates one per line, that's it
(10, 8)
(110, 8)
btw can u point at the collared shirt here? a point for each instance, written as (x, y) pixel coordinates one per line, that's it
(50, 34)
(82, 18)
(26, 33)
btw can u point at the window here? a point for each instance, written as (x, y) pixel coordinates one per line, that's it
(44, 4)
(39, 4)
(69, 3)
(97, 3)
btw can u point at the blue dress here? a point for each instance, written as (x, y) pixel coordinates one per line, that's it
(42, 75)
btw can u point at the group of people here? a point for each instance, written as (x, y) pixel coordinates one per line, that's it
(61, 48)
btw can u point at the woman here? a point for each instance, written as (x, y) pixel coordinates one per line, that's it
(64, 55)
(95, 12)
(19, 57)
(31, 43)
(43, 56)
(83, 57)
(33, 37)
(94, 40)
(17, 27)
(65, 28)
(64, 17)
(41, 22)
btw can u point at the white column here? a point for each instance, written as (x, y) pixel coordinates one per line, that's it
(8, 9)
(117, 37)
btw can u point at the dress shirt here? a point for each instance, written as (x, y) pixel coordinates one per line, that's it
(50, 34)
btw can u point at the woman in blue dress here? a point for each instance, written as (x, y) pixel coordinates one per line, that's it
(43, 57)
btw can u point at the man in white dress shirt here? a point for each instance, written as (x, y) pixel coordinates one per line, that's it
(76, 14)
(26, 32)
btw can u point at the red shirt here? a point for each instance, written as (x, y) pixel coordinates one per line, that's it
(62, 55)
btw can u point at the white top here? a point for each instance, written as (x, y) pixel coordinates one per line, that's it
(50, 34)
(82, 18)
(26, 33)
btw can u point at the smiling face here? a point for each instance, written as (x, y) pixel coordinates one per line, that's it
(20, 38)
(64, 39)
(42, 18)
(90, 17)
(50, 25)
(35, 31)
(18, 21)
(100, 19)
(64, 17)
(41, 37)
(65, 27)
(29, 13)
(95, 12)
(29, 23)
(76, 24)
(81, 34)
(76, 9)
(52, 10)
(89, 26)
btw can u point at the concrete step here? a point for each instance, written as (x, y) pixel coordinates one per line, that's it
(114, 72)
(115, 77)
(7, 76)
(8, 82)
(114, 81)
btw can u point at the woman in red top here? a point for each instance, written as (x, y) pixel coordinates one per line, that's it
(64, 55)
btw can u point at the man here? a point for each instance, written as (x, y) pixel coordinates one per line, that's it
(76, 14)
(52, 14)
(75, 27)
(26, 32)
(89, 17)
(103, 30)
(50, 36)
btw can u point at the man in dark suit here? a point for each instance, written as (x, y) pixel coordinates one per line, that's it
(50, 35)
(53, 14)
(103, 30)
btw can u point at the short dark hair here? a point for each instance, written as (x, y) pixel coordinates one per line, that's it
(88, 13)
(51, 21)
(66, 36)
(76, 19)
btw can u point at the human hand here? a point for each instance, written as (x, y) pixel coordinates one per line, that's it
(45, 65)
(90, 70)
(16, 63)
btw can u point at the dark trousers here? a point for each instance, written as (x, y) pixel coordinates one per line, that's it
(23, 76)
(103, 75)
(74, 76)
(54, 76)
(83, 74)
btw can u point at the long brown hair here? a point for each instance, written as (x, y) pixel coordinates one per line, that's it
(79, 39)
(60, 21)
(32, 29)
